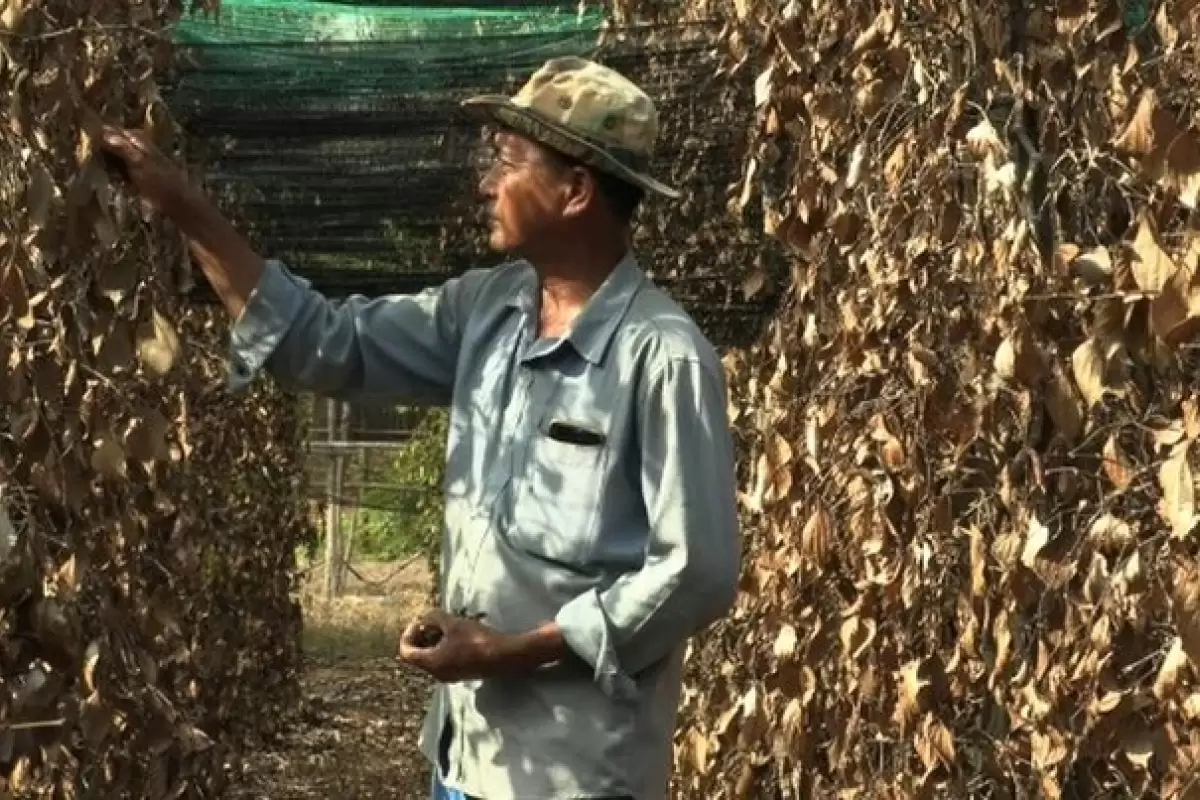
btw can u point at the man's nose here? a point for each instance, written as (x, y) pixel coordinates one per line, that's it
(487, 183)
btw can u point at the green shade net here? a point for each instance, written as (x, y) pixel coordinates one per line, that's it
(332, 133)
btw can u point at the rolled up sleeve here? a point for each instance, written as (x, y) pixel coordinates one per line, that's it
(402, 346)
(690, 573)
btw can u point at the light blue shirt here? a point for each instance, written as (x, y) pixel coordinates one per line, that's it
(623, 529)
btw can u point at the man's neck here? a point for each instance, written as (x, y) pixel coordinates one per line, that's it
(568, 282)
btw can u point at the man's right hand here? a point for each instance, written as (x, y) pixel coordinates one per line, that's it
(229, 262)
(159, 183)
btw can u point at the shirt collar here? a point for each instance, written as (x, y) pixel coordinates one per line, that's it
(593, 330)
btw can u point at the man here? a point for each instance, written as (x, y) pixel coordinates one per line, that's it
(590, 492)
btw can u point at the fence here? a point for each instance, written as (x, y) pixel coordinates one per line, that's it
(374, 478)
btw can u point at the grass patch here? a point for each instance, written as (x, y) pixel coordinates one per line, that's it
(366, 620)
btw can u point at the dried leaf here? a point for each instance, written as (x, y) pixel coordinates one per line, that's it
(1035, 541)
(1185, 604)
(1087, 363)
(896, 164)
(158, 345)
(1182, 173)
(108, 458)
(785, 642)
(40, 195)
(1108, 533)
(1178, 504)
(1175, 312)
(1116, 466)
(14, 297)
(1149, 129)
(1152, 268)
(1094, 267)
(11, 16)
(117, 282)
(1170, 673)
(983, 140)
(816, 538)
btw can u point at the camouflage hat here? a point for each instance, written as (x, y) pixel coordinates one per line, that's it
(587, 111)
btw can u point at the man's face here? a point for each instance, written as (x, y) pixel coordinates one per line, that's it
(527, 195)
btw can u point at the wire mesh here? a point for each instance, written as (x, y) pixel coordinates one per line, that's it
(332, 133)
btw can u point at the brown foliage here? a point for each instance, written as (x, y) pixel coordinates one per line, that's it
(147, 516)
(970, 495)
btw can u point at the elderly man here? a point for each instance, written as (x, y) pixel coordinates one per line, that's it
(590, 494)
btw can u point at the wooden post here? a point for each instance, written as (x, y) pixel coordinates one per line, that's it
(351, 535)
(339, 572)
(333, 520)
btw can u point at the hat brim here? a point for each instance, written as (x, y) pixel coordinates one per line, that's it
(500, 110)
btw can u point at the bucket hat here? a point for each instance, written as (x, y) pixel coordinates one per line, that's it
(584, 110)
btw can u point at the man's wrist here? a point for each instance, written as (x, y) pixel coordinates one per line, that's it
(523, 652)
(180, 200)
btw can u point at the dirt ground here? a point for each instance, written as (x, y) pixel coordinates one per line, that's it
(356, 734)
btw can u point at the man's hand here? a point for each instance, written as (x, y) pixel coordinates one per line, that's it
(452, 648)
(159, 183)
(231, 265)
(455, 649)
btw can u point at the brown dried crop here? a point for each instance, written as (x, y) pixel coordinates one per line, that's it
(148, 517)
(969, 433)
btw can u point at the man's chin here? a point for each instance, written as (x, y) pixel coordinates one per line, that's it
(498, 242)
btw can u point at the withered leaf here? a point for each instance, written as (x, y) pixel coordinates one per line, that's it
(816, 537)
(1175, 662)
(1094, 267)
(1185, 605)
(1178, 504)
(1087, 362)
(40, 194)
(1036, 539)
(1109, 533)
(1152, 267)
(876, 35)
(983, 140)
(115, 349)
(1064, 408)
(11, 16)
(117, 281)
(1150, 128)
(1175, 311)
(1182, 173)
(91, 660)
(1116, 466)
(785, 642)
(158, 345)
(896, 164)
(146, 439)
(108, 457)
(14, 297)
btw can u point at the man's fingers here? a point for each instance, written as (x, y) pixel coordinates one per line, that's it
(409, 653)
(437, 618)
(129, 145)
(117, 141)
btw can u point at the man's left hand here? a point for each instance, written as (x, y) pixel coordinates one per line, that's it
(466, 649)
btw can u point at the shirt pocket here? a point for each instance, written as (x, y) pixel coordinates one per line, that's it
(561, 490)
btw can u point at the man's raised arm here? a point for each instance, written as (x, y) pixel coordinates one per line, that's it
(403, 346)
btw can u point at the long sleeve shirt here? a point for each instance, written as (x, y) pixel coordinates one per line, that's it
(589, 480)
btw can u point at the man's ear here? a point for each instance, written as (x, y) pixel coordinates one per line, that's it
(581, 191)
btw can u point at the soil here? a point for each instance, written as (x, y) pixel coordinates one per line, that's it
(354, 736)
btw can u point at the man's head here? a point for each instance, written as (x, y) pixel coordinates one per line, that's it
(571, 155)
(538, 195)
